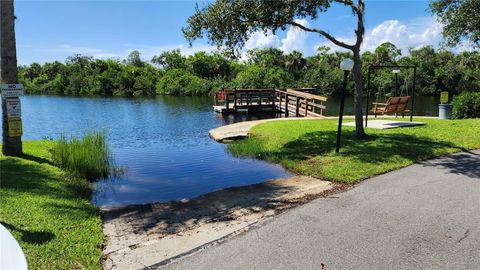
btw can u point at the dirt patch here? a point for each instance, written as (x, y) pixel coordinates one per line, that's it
(144, 235)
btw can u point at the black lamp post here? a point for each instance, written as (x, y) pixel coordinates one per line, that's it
(346, 65)
(396, 71)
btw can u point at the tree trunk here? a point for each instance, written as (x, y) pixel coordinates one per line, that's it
(12, 146)
(357, 77)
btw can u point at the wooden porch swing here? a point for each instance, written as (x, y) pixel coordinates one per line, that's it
(397, 104)
(393, 105)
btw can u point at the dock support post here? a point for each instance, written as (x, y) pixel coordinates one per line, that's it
(306, 107)
(286, 105)
(297, 107)
(235, 99)
(273, 96)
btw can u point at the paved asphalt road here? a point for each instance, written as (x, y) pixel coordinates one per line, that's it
(426, 216)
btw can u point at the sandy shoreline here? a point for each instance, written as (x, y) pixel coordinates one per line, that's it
(151, 235)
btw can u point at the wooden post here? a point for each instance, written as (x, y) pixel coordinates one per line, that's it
(272, 95)
(280, 99)
(306, 108)
(297, 107)
(235, 99)
(226, 100)
(286, 105)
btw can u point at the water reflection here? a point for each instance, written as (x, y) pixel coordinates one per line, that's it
(162, 142)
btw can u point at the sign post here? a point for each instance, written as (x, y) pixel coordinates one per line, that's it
(443, 97)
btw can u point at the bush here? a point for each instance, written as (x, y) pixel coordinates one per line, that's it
(181, 82)
(88, 157)
(466, 105)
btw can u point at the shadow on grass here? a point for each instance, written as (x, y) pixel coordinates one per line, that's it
(31, 237)
(41, 181)
(174, 217)
(374, 148)
(36, 159)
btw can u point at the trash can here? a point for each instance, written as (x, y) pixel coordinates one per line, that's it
(444, 111)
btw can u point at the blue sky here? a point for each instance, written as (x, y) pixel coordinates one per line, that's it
(54, 30)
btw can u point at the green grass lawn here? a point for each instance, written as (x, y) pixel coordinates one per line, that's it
(48, 212)
(308, 146)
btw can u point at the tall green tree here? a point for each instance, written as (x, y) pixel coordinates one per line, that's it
(229, 23)
(11, 146)
(460, 18)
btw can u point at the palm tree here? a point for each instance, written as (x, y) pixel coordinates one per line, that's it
(8, 72)
(294, 63)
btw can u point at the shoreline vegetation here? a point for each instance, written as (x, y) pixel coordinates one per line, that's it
(172, 73)
(49, 211)
(87, 157)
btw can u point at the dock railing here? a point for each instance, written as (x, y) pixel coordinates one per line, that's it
(293, 101)
(297, 102)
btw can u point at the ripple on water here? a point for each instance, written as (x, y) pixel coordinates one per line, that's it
(162, 142)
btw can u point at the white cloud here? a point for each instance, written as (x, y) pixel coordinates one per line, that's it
(148, 51)
(296, 38)
(415, 33)
(70, 50)
(262, 40)
(412, 34)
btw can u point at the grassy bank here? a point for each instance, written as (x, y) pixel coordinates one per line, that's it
(308, 147)
(48, 212)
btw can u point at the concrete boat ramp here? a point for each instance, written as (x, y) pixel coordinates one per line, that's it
(241, 129)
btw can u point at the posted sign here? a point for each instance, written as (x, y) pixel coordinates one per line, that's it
(12, 90)
(13, 108)
(15, 127)
(443, 97)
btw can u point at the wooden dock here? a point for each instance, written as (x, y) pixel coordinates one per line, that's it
(297, 102)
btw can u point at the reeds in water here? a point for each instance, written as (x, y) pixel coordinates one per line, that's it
(88, 157)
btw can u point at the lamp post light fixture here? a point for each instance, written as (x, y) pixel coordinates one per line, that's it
(346, 65)
(396, 71)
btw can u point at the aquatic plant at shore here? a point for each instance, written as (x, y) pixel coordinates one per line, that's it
(88, 157)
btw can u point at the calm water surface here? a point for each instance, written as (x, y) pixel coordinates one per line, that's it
(162, 142)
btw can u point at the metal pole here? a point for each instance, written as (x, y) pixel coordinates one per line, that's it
(396, 84)
(340, 117)
(413, 92)
(396, 89)
(368, 96)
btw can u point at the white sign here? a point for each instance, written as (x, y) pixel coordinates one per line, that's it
(12, 90)
(13, 107)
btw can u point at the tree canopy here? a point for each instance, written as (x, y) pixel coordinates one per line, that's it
(230, 23)
(460, 18)
(203, 73)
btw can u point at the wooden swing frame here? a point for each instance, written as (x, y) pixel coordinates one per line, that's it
(393, 104)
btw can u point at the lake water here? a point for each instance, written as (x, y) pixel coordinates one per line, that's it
(162, 142)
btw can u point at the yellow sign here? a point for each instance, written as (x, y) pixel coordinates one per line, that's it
(15, 127)
(443, 97)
